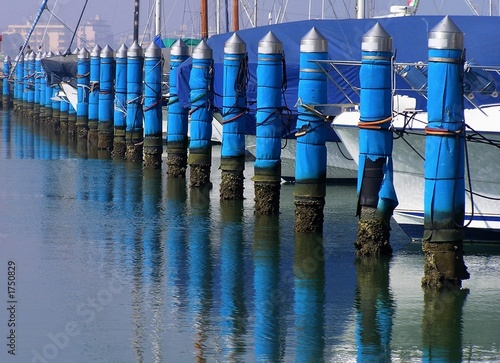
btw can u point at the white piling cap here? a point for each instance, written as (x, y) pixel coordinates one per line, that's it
(235, 45)
(179, 48)
(270, 44)
(135, 51)
(122, 51)
(446, 35)
(377, 39)
(202, 51)
(96, 51)
(152, 51)
(313, 42)
(83, 53)
(107, 52)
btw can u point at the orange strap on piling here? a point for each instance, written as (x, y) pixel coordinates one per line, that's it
(441, 132)
(373, 125)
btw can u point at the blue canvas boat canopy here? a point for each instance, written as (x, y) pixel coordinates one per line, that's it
(410, 42)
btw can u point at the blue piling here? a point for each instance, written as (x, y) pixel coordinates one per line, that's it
(120, 112)
(83, 82)
(26, 73)
(63, 115)
(233, 112)
(177, 117)
(106, 99)
(376, 195)
(43, 86)
(48, 96)
(38, 86)
(20, 82)
(30, 83)
(153, 142)
(15, 85)
(310, 151)
(267, 166)
(55, 102)
(71, 108)
(309, 301)
(201, 98)
(444, 185)
(95, 74)
(6, 89)
(134, 133)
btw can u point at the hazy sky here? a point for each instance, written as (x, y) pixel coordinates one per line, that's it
(184, 14)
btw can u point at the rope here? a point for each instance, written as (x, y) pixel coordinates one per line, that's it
(441, 132)
(374, 125)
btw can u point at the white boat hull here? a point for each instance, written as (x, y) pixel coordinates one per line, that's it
(482, 207)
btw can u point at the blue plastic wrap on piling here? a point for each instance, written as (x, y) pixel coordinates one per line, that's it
(25, 80)
(38, 68)
(234, 103)
(43, 87)
(20, 77)
(201, 97)
(64, 106)
(134, 93)
(106, 89)
(48, 95)
(310, 161)
(120, 110)
(376, 105)
(31, 81)
(177, 121)
(444, 189)
(95, 72)
(55, 100)
(152, 97)
(83, 80)
(268, 117)
(16, 82)
(5, 84)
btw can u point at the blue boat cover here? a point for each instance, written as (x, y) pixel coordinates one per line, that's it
(410, 37)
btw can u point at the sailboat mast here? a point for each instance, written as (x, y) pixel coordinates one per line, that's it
(136, 21)
(204, 19)
(236, 12)
(360, 9)
(158, 17)
(255, 13)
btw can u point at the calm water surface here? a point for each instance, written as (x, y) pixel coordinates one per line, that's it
(118, 264)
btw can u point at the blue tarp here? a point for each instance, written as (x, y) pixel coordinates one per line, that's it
(410, 37)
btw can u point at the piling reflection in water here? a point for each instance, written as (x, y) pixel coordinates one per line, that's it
(268, 345)
(442, 325)
(176, 246)
(233, 311)
(375, 310)
(6, 134)
(309, 272)
(214, 290)
(154, 259)
(200, 268)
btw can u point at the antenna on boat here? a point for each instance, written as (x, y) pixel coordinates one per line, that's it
(136, 21)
